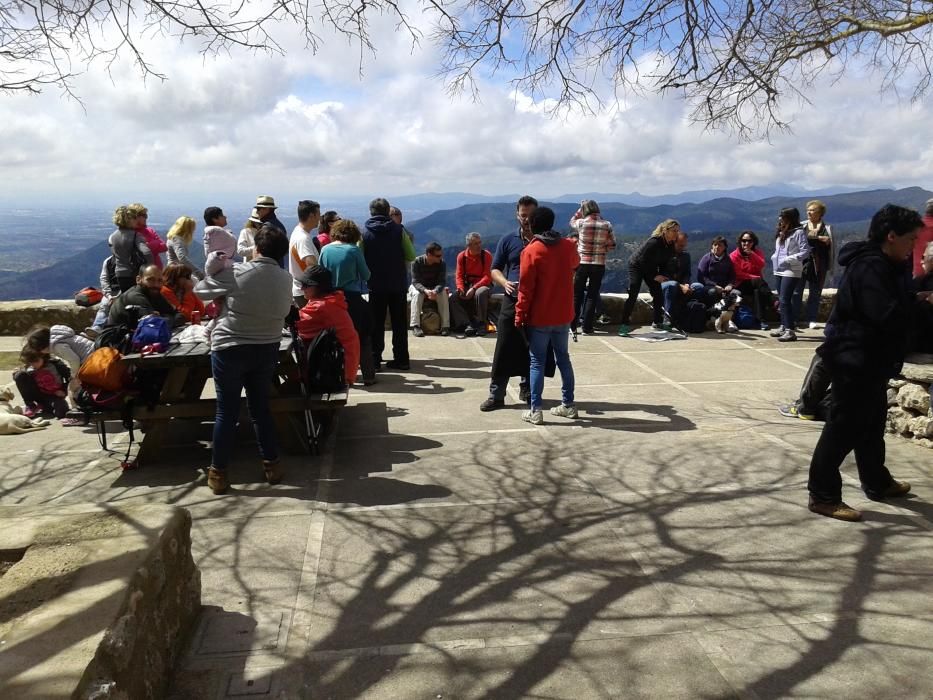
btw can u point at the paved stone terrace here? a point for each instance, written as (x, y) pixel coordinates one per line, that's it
(658, 547)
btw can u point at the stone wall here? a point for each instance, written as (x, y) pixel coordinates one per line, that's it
(909, 412)
(101, 603)
(17, 317)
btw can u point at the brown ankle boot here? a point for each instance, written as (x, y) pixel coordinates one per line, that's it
(217, 480)
(272, 471)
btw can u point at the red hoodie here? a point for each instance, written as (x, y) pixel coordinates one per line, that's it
(747, 268)
(331, 312)
(545, 286)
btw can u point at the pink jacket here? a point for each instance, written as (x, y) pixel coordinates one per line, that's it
(156, 244)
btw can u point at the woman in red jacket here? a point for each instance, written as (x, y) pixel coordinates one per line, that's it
(327, 308)
(749, 262)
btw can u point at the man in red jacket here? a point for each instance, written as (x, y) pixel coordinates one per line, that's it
(545, 309)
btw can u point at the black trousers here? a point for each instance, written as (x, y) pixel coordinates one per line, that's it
(33, 396)
(855, 424)
(757, 294)
(587, 279)
(635, 278)
(360, 314)
(397, 305)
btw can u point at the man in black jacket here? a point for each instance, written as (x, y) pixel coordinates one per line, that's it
(866, 340)
(143, 299)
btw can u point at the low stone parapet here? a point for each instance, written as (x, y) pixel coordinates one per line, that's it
(17, 317)
(99, 603)
(909, 411)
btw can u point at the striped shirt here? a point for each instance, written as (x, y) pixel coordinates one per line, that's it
(594, 239)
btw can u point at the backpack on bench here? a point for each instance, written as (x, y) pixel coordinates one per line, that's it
(325, 371)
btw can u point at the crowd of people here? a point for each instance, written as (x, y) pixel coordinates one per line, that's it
(330, 272)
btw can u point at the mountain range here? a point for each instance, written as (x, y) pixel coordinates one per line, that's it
(848, 212)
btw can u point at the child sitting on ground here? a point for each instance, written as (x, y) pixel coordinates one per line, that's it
(43, 383)
(327, 308)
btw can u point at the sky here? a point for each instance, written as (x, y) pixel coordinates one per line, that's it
(244, 124)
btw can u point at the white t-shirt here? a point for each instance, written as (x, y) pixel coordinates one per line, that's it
(300, 246)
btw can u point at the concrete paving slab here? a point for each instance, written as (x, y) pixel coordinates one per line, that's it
(649, 667)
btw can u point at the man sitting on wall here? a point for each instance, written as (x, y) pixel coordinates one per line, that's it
(429, 281)
(474, 283)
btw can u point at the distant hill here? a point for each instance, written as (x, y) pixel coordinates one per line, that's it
(62, 279)
(848, 212)
(725, 215)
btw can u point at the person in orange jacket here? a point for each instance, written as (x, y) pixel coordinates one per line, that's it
(327, 308)
(545, 310)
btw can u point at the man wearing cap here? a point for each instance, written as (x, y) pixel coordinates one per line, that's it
(265, 207)
(301, 251)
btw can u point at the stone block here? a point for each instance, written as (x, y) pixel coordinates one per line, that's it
(918, 368)
(913, 397)
(892, 397)
(921, 427)
(17, 317)
(101, 603)
(899, 420)
(896, 383)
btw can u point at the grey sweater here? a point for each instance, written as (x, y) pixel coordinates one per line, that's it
(258, 295)
(178, 253)
(121, 242)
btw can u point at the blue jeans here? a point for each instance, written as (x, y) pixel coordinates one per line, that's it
(539, 338)
(790, 301)
(252, 367)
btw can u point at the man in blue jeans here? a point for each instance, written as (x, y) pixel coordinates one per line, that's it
(545, 310)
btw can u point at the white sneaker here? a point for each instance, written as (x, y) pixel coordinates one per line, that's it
(564, 411)
(533, 417)
(814, 325)
(733, 328)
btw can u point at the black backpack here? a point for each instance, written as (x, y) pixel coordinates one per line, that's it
(324, 364)
(119, 337)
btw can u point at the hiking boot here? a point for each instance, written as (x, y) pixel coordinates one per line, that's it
(661, 326)
(217, 480)
(396, 364)
(564, 411)
(417, 332)
(814, 326)
(491, 404)
(469, 331)
(788, 336)
(778, 332)
(793, 411)
(445, 332)
(272, 471)
(625, 330)
(533, 417)
(839, 510)
(895, 489)
(524, 394)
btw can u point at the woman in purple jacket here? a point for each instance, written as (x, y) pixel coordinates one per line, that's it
(715, 273)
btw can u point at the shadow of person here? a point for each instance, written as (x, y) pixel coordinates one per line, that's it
(591, 414)
(454, 368)
(379, 491)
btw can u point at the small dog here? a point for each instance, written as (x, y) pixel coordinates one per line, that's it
(726, 308)
(12, 420)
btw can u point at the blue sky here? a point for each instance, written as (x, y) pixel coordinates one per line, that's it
(243, 124)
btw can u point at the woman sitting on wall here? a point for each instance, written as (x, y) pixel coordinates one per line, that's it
(749, 262)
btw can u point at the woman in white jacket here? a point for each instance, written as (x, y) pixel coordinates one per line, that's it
(791, 249)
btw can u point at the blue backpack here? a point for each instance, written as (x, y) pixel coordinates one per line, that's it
(152, 329)
(745, 318)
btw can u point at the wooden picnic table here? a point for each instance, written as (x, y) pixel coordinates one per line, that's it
(301, 421)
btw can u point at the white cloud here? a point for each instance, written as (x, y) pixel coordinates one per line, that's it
(245, 123)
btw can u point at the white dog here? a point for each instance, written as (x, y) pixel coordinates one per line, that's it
(12, 420)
